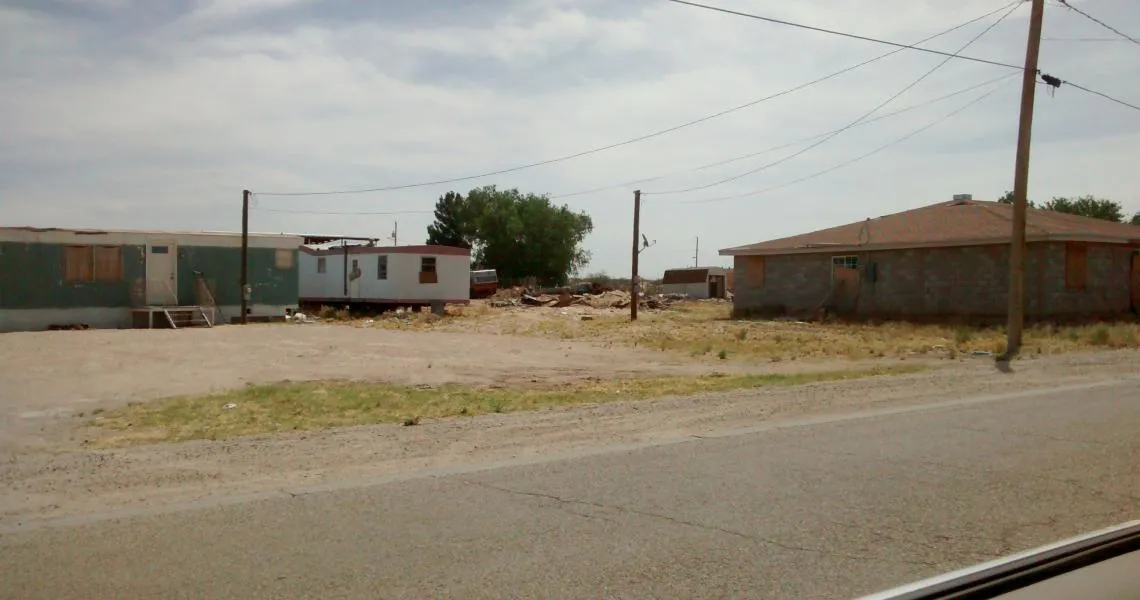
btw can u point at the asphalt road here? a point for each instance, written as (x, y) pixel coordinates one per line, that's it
(825, 508)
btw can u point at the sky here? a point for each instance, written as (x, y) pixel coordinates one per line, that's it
(156, 114)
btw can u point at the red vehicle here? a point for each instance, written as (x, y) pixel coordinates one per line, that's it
(484, 283)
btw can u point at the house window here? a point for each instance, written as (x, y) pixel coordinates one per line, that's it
(382, 266)
(283, 258)
(322, 264)
(1076, 267)
(108, 264)
(427, 270)
(844, 262)
(78, 264)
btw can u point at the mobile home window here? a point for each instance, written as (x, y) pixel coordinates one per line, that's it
(322, 264)
(427, 270)
(108, 263)
(283, 258)
(382, 266)
(78, 264)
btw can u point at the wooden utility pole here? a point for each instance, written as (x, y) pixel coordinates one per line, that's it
(697, 253)
(634, 298)
(243, 290)
(1017, 249)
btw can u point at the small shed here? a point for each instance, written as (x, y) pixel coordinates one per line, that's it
(696, 282)
(63, 278)
(337, 273)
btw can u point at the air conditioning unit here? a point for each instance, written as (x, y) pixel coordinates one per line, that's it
(963, 197)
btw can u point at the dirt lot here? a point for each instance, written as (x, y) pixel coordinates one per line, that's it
(54, 381)
(51, 376)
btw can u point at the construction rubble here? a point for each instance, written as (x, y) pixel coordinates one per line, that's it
(593, 296)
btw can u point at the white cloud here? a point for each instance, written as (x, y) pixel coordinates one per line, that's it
(163, 126)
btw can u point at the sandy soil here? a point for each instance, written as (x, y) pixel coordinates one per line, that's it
(47, 376)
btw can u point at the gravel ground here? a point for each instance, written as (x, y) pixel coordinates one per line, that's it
(49, 377)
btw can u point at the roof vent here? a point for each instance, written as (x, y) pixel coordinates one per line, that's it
(963, 198)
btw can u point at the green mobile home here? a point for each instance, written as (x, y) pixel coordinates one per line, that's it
(53, 277)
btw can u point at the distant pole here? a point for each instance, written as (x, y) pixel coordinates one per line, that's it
(1017, 249)
(634, 299)
(396, 233)
(697, 253)
(245, 194)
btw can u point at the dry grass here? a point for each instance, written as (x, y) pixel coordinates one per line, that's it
(706, 329)
(319, 405)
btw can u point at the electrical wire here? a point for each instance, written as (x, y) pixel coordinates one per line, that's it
(1086, 15)
(844, 34)
(626, 184)
(655, 133)
(323, 212)
(1101, 94)
(850, 125)
(852, 160)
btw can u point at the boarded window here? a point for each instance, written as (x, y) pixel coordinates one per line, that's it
(108, 264)
(322, 264)
(78, 264)
(1076, 266)
(283, 258)
(754, 269)
(382, 266)
(427, 270)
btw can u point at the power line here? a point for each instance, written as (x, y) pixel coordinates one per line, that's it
(852, 160)
(844, 34)
(655, 134)
(627, 184)
(1095, 93)
(1086, 15)
(863, 117)
(323, 212)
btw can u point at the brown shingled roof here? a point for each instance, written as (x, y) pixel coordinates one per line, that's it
(956, 223)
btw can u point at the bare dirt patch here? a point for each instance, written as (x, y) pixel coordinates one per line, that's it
(704, 328)
(49, 378)
(39, 486)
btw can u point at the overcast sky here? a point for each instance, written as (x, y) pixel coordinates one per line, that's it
(157, 113)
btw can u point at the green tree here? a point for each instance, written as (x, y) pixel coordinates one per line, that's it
(453, 223)
(1136, 219)
(1088, 206)
(519, 235)
(1007, 198)
(1084, 206)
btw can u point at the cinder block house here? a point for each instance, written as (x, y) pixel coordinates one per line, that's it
(118, 278)
(943, 261)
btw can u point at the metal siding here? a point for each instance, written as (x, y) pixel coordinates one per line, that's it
(31, 277)
(221, 267)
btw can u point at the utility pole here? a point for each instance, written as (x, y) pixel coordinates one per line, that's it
(396, 233)
(634, 299)
(697, 253)
(1017, 249)
(245, 194)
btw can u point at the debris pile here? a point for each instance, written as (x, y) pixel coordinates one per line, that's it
(597, 297)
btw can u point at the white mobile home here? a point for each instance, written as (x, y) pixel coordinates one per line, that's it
(394, 275)
(696, 282)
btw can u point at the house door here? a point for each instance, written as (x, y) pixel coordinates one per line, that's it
(161, 274)
(846, 283)
(1135, 281)
(354, 277)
